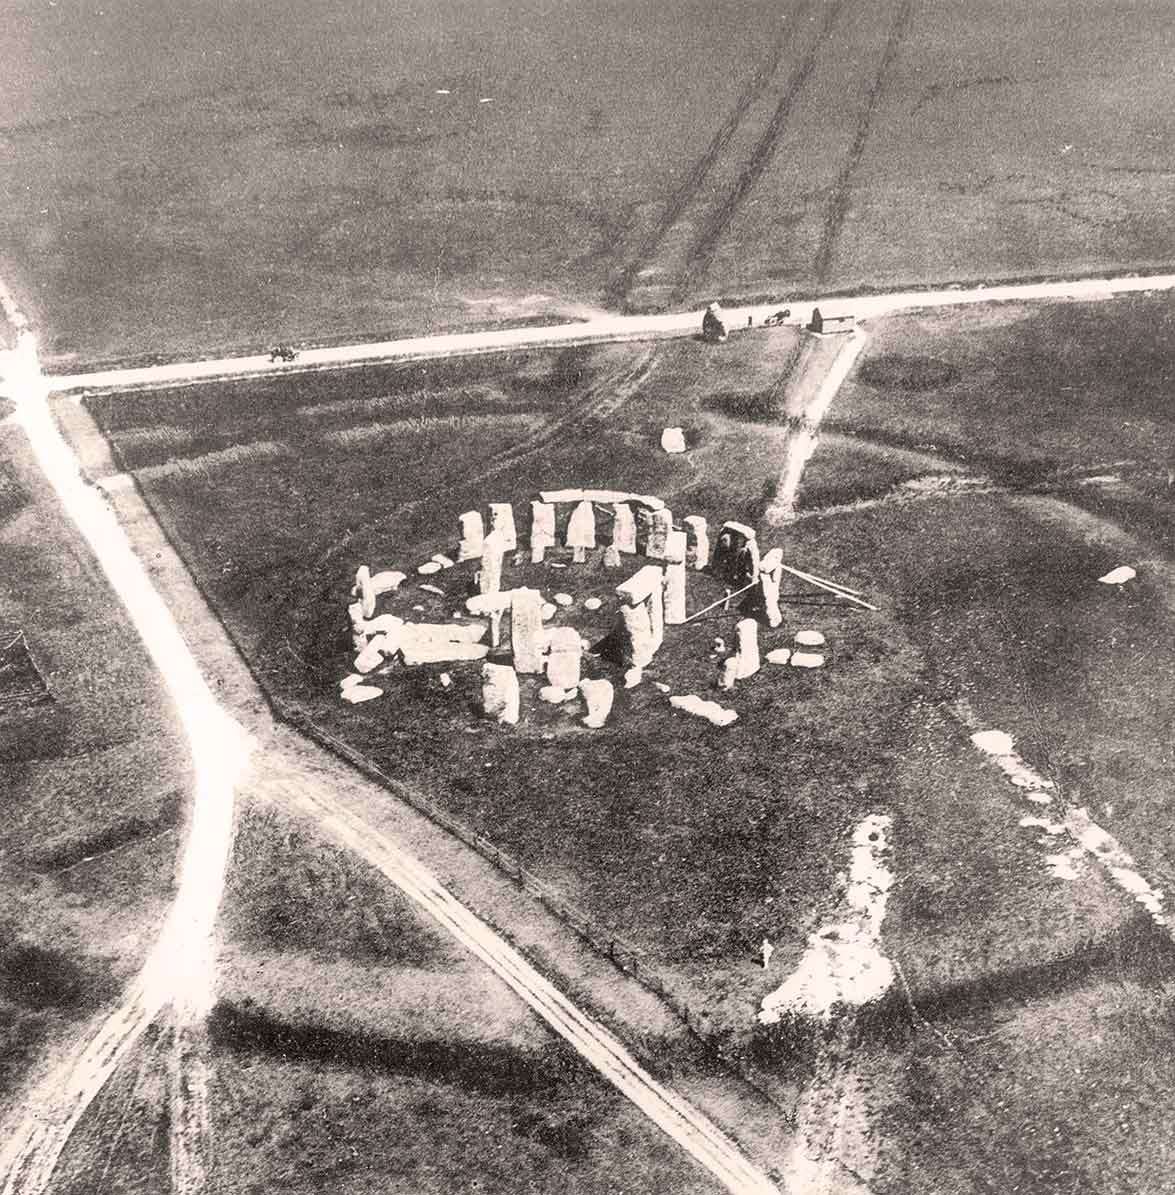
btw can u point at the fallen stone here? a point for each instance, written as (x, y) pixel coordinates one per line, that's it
(433, 589)
(443, 560)
(673, 440)
(443, 652)
(428, 568)
(807, 659)
(442, 632)
(558, 564)
(387, 625)
(714, 713)
(357, 694)
(564, 599)
(549, 611)
(355, 613)
(556, 696)
(810, 639)
(598, 696)
(353, 679)
(388, 581)
(370, 657)
(633, 677)
(592, 603)
(1118, 576)
(417, 609)
(779, 655)
(500, 695)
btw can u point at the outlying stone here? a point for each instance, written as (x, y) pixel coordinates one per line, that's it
(500, 695)
(714, 713)
(598, 696)
(432, 589)
(353, 679)
(673, 440)
(472, 535)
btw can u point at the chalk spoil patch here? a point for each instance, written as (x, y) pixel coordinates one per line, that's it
(843, 963)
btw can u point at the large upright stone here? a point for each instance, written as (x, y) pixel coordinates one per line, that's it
(657, 611)
(366, 590)
(660, 528)
(633, 636)
(472, 535)
(748, 648)
(581, 531)
(698, 541)
(675, 550)
(500, 696)
(564, 657)
(502, 519)
(493, 550)
(598, 696)
(526, 631)
(542, 530)
(623, 528)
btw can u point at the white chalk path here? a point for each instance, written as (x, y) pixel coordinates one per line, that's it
(610, 328)
(181, 959)
(179, 967)
(1088, 837)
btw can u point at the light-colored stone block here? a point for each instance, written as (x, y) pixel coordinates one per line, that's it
(564, 657)
(493, 551)
(748, 648)
(500, 696)
(542, 530)
(526, 631)
(673, 440)
(502, 519)
(623, 528)
(698, 541)
(675, 549)
(366, 590)
(472, 535)
(598, 696)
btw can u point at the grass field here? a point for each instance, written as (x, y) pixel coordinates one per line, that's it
(94, 784)
(299, 172)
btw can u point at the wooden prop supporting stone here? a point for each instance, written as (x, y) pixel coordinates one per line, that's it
(502, 519)
(526, 631)
(500, 695)
(697, 540)
(581, 531)
(472, 535)
(564, 657)
(542, 530)
(675, 552)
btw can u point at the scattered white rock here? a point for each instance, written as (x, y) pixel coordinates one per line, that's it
(660, 686)
(443, 560)
(598, 696)
(417, 609)
(633, 677)
(433, 589)
(673, 440)
(357, 694)
(807, 659)
(446, 680)
(778, 655)
(719, 647)
(592, 603)
(1119, 576)
(557, 564)
(428, 568)
(354, 678)
(810, 639)
(549, 611)
(714, 713)
(555, 695)
(564, 599)
(388, 581)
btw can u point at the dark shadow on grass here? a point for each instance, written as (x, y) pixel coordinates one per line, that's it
(70, 851)
(496, 1070)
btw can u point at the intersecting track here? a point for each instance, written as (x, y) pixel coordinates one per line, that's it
(180, 963)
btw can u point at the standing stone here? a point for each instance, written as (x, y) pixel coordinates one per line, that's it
(623, 528)
(472, 535)
(502, 519)
(489, 579)
(698, 540)
(657, 612)
(729, 673)
(526, 631)
(581, 531)
(660, 527)
(542, 530)
(612, 556)
(598, 696)
(673, 440)
(366, 590)
(634, 636)
(675, 550)
(770, 578)
(748, 648)
(500, 696)
(564, 657)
